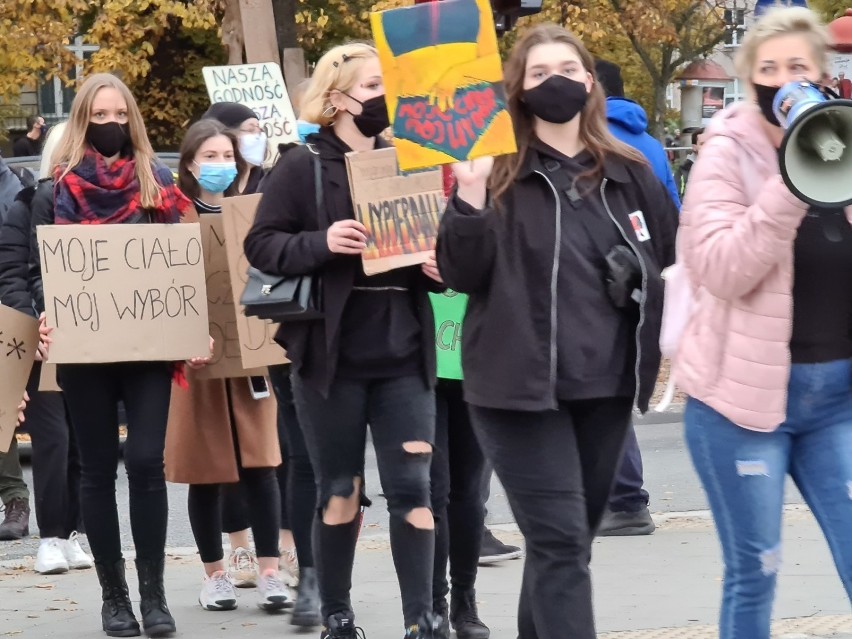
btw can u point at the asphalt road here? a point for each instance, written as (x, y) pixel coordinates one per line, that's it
(669, 477)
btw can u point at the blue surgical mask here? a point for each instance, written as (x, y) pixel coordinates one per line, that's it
(253, 147)
(304, 129)
(216, 177)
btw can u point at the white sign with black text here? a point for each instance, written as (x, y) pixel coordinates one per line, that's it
(261, 88)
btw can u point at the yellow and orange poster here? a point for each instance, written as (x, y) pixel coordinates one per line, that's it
(444, 82)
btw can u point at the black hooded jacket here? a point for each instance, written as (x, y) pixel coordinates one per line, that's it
(289, 237)
(508, 260)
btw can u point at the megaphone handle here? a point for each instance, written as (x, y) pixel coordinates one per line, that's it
(826, 142)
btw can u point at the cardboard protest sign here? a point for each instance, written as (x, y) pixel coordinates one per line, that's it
(444, 81)
(261, 88)
(124, 292)
(401, 212)
(47, 382)
(227, 360)
(256, 336)
(18, 344)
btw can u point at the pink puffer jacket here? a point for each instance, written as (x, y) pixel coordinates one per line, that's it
(738, 225)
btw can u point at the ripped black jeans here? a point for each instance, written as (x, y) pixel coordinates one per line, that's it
(398, 411)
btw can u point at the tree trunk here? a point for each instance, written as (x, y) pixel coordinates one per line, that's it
(285, 22)
(232, 32)
(658, 118)
(292, 56)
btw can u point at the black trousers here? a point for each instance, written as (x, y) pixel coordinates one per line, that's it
(205, 513)
(55, 462)
(557, 468)
(627, 492)
(457, 468)
(296, 483)
(398, 410)
(295, 475)
(92, 393)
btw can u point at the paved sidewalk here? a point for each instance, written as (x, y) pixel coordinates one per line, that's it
(658, 587)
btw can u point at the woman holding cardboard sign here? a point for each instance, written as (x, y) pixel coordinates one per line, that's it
(371, 359)
(107, 174)
(562, 264)
(295, 476)
(222, 431)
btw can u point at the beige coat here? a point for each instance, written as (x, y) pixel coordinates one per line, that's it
(200, 440)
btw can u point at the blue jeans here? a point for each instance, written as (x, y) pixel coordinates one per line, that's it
(743, 473)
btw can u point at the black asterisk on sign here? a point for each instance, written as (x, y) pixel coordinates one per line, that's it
(17, 348)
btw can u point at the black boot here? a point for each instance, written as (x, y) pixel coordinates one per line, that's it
(464, 616)
(441, 609)
(156, 618)
(116, 612)
(307, 611)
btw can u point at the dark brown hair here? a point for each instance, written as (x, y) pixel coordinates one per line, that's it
(593, 127)
(196, 136)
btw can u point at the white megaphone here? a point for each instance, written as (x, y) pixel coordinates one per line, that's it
(816, 153)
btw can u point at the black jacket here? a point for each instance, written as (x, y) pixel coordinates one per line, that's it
(506, 259)
(15, 254)
(289, 238)
(41, 213)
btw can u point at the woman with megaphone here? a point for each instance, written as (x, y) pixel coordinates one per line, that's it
(766, 355)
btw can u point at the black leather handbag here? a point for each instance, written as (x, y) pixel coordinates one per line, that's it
(285, 298)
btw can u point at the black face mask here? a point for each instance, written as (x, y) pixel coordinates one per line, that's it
(373, 118)
(107, 139)
(765, 98)
(557, 99)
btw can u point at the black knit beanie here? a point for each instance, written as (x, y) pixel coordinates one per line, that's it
(231, 114)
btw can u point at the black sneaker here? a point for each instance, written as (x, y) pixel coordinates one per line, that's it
(493, 550)
(626, 524)
(341, 625)
(16, 523)
(427, 628)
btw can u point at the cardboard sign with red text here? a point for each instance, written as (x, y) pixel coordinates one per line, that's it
(401, 212)
(444, 79)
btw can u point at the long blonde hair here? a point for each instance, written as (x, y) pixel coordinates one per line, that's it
(73, 145)
(337, 70)
(594, 132)
(54, 136)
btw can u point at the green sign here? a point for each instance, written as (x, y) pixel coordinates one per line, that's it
(449, 308)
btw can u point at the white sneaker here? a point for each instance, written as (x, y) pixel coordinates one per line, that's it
(272, 592)
(289, 563)
(242, 568)
(75, 555)
(50, 559)
(217, 592)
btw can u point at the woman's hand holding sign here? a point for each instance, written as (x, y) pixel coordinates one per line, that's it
(200, 362)
(347, 237)
(472, 179)
(44, 339)
(21, 408)
(430, 268)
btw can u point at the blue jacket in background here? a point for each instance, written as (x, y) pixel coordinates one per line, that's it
(628, 122)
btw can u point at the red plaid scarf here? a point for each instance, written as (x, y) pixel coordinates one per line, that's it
(94, 193)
